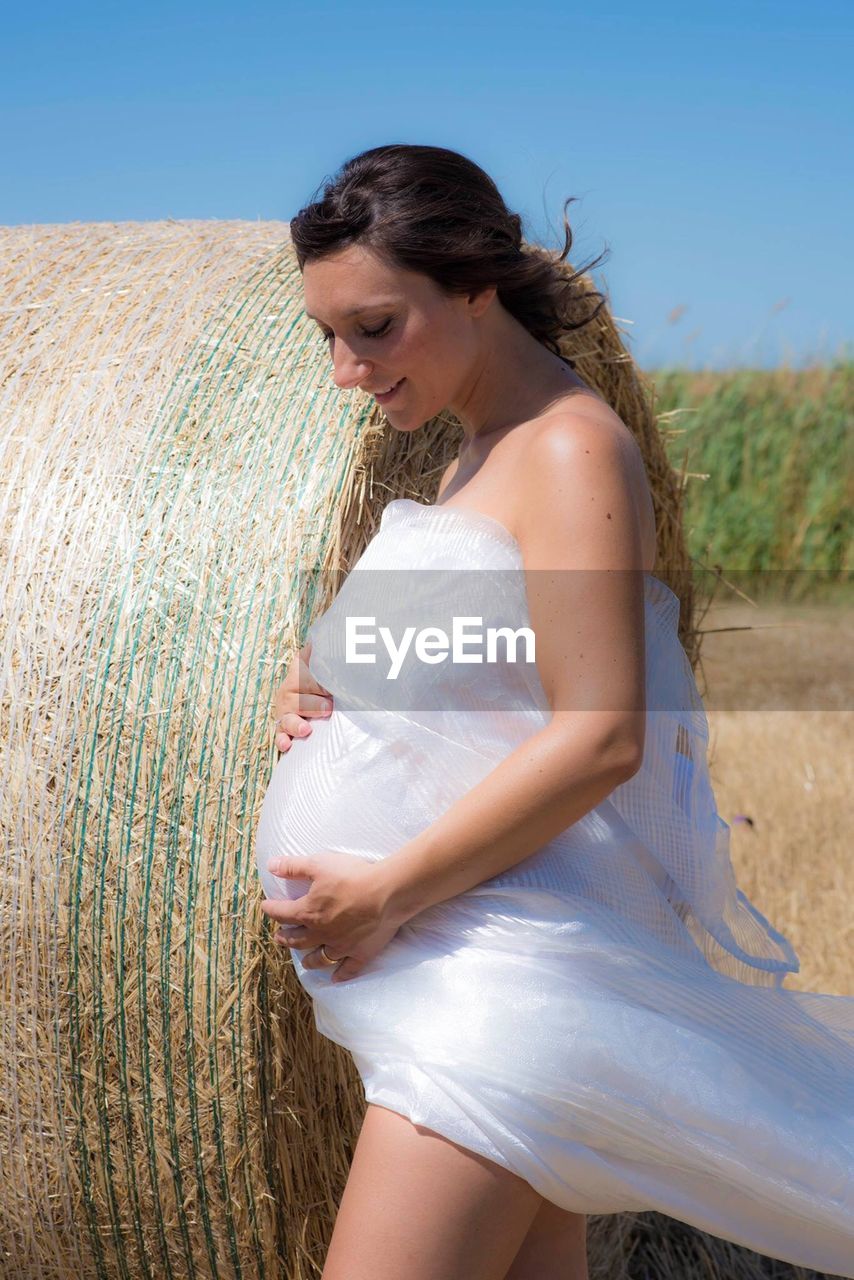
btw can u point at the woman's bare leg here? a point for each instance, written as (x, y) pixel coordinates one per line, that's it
(420, 1206)
(555, 1247)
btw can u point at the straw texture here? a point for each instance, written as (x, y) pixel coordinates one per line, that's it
(177, 464)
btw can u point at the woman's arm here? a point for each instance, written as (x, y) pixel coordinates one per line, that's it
(581, 544)
(539, 790)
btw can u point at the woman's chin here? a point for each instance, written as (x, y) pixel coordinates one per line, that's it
(400, 424)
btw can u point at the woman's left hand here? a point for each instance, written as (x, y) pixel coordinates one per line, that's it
(345, 910)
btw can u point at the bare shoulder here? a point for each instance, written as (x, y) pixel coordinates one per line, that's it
(568, 432)
(580, 482)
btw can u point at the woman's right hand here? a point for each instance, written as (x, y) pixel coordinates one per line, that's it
(297, 697)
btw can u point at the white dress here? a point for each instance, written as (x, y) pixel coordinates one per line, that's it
(607, 1017)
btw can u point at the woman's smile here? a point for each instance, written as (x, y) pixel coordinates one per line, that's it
(384, 397)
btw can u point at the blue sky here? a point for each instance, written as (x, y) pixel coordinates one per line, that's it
(709, 144)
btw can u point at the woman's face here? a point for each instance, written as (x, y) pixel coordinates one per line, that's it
(385, 325)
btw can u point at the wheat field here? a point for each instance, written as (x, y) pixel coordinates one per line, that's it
(787, 764)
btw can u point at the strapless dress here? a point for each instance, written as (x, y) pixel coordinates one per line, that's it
(607, 1018)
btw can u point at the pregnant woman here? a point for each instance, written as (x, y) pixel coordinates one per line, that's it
(504, 881)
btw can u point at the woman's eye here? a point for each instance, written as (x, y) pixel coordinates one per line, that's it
(377, 333)
(367, 333)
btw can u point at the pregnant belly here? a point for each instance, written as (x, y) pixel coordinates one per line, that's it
(359, 789)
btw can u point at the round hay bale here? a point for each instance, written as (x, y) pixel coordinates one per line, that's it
(177, 464)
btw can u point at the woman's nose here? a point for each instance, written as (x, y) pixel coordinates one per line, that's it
(348, 371)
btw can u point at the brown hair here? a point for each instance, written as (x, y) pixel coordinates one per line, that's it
(434, 211)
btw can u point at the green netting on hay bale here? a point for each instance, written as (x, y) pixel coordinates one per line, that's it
(177, 464)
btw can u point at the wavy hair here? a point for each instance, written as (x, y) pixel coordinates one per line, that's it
(431, 210)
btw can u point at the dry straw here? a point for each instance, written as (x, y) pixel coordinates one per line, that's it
(176, 460)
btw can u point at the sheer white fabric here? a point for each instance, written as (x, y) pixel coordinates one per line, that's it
(606, 1018)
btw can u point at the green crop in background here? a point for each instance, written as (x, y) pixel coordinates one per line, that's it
(778, 449)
